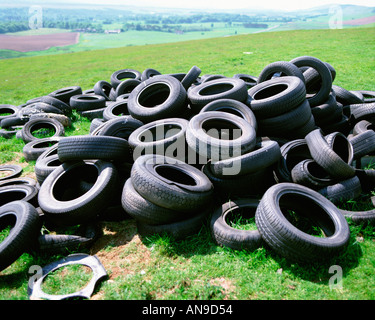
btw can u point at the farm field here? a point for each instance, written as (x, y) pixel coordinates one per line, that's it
(161, 268)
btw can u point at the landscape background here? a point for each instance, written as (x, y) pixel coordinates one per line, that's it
(73, 27)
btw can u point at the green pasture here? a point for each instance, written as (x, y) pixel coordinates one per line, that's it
(196, 268)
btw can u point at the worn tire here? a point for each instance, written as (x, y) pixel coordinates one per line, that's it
(23, 234)
(171, 183)
(227, 236)
(288, 240)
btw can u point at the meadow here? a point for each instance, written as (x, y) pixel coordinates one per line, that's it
(196, 268)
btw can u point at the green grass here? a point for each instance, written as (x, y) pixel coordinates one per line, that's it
(159, 267)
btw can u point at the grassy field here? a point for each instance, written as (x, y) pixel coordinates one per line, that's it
(196, 268)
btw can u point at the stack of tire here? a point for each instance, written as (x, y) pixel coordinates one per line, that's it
(167, 196)
(47, 112)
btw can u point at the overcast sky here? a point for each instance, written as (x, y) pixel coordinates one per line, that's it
(227, 4)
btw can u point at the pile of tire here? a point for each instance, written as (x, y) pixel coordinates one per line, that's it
(170, 150)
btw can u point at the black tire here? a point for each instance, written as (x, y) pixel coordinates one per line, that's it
(57, 103)
(22, 192)
(286, 68)
(44, 167)
(362, 126)
(115, 110)
(336, 158)
(65, 243)
(41, 123)
(249, 80)
(244, 185)
(33, 149)
(361, 111)
(89, 147)
(309, 174)
(178, 230)
(345, 96)
(276, 96)
(313, 80)
(64, 94)
(171, 183)
(15, 171)
(368, 96)
(265, 154)
(363, 144)
(103, 88)
(157, 98)
(25, 222)
(292, 153)
(223, 88)
(18, 181)
(13, 121)
(156, 138)
(191, 77)
(234, 107)
(59, 196)
(219, 135)
(84, 102)
(290, 241)
(286, 122)
(118, 76)
(342, 191)
(7, 108)
(149, 73)
(325, 109)
(121, 127)
(227, 236)
(126, 87)
(325, 76)
(144, 210)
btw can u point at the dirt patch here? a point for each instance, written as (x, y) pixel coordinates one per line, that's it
(360, 22)
(226, 284)
(120, 249)
(38, 42)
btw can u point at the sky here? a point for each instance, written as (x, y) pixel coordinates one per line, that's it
(231, 4)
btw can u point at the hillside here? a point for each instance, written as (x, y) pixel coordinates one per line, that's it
(196, 268)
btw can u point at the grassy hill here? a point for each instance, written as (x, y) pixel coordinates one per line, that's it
(160, 268)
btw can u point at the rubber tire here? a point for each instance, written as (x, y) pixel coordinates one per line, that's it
(119, 75)
(325, 76)
(178, 230)
(160, 145)
(126, 87)
(345, 96)
(103, 88)
(14, 168)
(170, 193)
(326, 156)
(214, 147)
(84, 102)
(265, 154)
(121, 127)
(223, 88)
(234, 107)
(191, 77)
(89, 147)
(24, 233)
(64, 94)
(36, 122)
(150, 91)
(363, 144)
(57, 103)
(144, 210)
(83, 208)
(292, 243)
(33, 149)
(44, 167)
(342, 191)
(226, 236)
(27, 193)
(266, 103)
(286, 68)
(309, 174)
